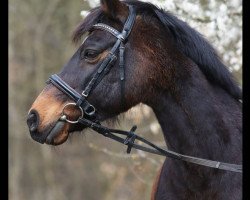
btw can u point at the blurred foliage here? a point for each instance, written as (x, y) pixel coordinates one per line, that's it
(88, 166)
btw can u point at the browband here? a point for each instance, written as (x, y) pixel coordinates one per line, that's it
(126, 29)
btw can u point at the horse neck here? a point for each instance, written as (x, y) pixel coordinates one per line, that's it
(200, 119)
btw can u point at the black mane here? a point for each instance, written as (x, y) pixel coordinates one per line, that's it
(188, 41)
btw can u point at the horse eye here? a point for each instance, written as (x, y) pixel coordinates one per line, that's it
(89, 54)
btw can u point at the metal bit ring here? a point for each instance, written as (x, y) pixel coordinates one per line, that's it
(65, 118)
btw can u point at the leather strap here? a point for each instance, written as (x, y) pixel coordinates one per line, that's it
(73, 94)
(109, 60)
(132, 137)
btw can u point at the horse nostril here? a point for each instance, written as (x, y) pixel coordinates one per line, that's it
(33, 120)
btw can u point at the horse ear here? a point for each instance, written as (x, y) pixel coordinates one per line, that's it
(113, 8)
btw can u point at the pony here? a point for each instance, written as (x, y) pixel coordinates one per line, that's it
(170, 67)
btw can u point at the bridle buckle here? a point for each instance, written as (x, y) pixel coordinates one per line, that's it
(84, 93)
(121, 37)
(90, 111)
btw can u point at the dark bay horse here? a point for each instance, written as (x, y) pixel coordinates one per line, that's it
(166, 65)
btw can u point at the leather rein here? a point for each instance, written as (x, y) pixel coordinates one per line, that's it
(86, 109)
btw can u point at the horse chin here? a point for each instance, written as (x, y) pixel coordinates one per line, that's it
(60, 138)
(58, 134)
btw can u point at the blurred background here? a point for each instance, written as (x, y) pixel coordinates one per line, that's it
(89, 166)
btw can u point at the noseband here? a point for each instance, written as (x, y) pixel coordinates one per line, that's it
(89, 110)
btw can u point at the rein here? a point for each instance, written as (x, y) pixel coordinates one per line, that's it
(130, 142)
(89, 110)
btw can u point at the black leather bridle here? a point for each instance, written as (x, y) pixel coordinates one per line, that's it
(103, 69)
(86, 109)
